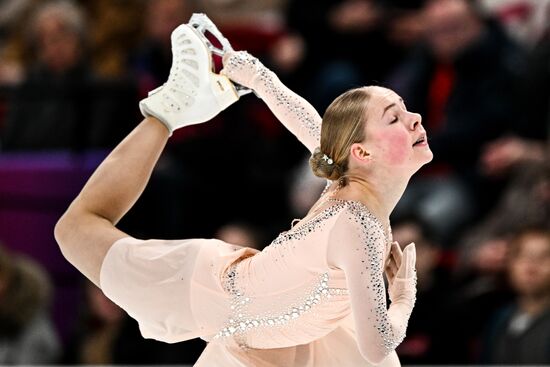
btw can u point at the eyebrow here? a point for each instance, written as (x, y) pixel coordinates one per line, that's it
(392, 105)
(387, 108)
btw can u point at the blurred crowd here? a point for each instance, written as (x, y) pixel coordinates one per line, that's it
(478, 71)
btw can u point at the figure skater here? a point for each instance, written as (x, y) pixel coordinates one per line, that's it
(316, 295)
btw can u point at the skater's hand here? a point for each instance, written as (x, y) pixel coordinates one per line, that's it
(242, 68)
(401, 273)
(393, 262)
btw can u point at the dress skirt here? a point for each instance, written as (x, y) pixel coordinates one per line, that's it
(172, 288)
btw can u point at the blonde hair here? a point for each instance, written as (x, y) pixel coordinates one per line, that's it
(343, 125)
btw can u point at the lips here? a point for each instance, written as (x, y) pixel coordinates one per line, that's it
(421, 140)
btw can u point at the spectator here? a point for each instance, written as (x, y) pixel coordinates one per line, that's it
(528, 137)
(13, 55)
(115, 30)
(27, 335)
(461, 80)
(525, 202)
(480, 286)
(405, 23)
(152, 59)
(61, 104)
(519, 333)
(337, 34)
(525, 20)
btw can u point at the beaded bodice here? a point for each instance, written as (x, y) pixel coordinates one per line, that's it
(289, 292)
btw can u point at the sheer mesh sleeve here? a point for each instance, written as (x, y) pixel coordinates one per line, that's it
(294, 112)
(356, 245)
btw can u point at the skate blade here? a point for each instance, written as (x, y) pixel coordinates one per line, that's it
(217, 44)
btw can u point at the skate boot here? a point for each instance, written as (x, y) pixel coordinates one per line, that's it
(194, 93)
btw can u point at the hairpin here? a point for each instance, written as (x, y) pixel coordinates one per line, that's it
(327, 159)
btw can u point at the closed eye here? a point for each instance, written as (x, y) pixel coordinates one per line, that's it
(394, 120)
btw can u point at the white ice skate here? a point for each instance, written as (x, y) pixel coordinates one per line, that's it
(194, 93)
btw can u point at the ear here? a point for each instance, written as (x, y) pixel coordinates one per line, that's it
(359, 152)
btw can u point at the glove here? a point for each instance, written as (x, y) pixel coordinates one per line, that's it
(401, 274)
(243, 68)
(193, 93)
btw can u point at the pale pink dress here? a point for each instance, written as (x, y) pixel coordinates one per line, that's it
(314, 297)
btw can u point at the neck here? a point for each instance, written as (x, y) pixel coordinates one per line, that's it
(379, 193)
(534, 304)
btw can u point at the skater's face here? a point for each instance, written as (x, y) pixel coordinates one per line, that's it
(394, 137)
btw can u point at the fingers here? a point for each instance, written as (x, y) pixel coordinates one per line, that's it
(240, 67)
(409, 261)
(393, 266)
(400, 263)
(396, 253)
(389, 275)
(387, 252)
(410, 251)
(409, 254)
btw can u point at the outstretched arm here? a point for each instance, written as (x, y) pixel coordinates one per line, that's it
(297, 114)
(87, 229)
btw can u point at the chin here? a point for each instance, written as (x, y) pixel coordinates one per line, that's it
(427, 158)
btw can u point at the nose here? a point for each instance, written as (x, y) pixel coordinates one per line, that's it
(415, 120)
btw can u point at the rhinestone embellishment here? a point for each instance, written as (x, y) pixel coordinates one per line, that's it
(265, 79)
(241, 323)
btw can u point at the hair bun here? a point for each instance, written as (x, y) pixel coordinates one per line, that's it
(324, 167)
